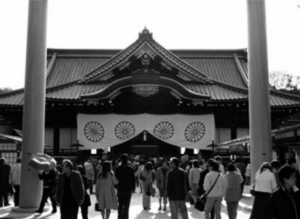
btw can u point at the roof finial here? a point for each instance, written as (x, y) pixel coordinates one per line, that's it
(145, 34)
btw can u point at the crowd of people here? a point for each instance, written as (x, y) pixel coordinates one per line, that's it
(176, 181)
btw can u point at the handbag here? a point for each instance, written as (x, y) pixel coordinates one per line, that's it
(97, 207)
(200, 203)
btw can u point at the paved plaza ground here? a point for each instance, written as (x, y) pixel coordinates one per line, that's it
(136, 210)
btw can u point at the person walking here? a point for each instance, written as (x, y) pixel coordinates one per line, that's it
(90, 174)
(215, 196)
(15, 180)
(125, 176)
(285, 201)
(194, 177)
(233, 181)
(265, 185)
(4, 182)
(240, 165)
(70, 191)
(49, 186)
(275, 165)
(248, 175)
(201, 190)
(105, 190)
(161, 183)
(87, 200)
(177, 188)
(147, 177)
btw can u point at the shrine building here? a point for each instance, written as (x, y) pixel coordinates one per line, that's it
(144, 99)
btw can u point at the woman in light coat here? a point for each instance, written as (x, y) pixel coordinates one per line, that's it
(147, 177)
(233, 194)
(105, 190)
(194, 178)
(161, 183)
(265, 185)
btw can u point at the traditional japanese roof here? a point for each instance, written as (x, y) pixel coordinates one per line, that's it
(210, 75)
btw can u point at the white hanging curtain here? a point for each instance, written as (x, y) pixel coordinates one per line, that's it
(102, 131)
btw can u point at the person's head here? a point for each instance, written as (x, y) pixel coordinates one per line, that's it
(124, 159)
(18, 160)
(67, 166)
(195, 163)
(149, 166)
(191, 163)
(106, 168)
(80, 169)
(231, 167)
(174, 162)
(275, 165)
(2, 160)
(164, 163)
(292, 161)
(265, 166)
(218, 159)
(287, 176)
(213, 165)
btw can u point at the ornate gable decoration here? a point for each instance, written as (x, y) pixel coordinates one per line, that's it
(146, 49)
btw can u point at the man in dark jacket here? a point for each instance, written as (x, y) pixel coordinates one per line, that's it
(126, 186)
(70, 191)
(285, 201)
(4, 182)
(177, 187)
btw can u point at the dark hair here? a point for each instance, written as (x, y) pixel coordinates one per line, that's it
(80, 169)
(106, 168)
(275, 164)
(164, 161)
(265, 166)
(149, 166)
(175, 161)
(124, 158)
(285, 172)
(231, 167)
(291, 160)
(201, 163)
(214, 165)
(68, 163)
(196, 163)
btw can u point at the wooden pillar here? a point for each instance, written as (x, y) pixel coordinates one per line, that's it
(34, 103)
(259, 101)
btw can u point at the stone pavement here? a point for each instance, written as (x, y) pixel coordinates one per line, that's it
(136, 210)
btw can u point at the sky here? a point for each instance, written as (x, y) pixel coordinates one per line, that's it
(175, 24)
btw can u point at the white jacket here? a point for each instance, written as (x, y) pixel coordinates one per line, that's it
(265, 182)
(15, 174)
(220, 186)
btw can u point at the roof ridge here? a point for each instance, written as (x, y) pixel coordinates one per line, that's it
(204, 76)
(284, 94)
(145, 37)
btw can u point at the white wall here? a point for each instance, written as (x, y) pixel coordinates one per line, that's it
(68, 136)
(49, 136)
(223, 134)
(242, 132)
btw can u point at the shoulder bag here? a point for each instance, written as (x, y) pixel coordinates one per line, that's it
(200, 203)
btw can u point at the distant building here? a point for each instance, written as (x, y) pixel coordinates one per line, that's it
(145, 99)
